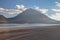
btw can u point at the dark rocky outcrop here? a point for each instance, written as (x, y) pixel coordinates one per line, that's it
(2, 19)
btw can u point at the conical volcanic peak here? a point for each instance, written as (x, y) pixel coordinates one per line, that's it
(31, 16)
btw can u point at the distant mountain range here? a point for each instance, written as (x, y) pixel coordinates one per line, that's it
(2, 19)
(29, 16)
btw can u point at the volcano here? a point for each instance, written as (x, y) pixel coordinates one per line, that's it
(31, 16)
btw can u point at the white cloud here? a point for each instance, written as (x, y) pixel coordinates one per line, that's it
(57, 4)
(13, 11)
(8, 11)
(2, 9)
(56, 10)
(21, 7)
(55, 16)
(44, 11)
(37, 7)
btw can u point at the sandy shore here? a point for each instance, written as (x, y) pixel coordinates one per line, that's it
(37, 33)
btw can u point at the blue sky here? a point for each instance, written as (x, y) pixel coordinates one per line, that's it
(28, 3)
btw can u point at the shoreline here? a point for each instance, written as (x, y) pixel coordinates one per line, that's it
(29, 33)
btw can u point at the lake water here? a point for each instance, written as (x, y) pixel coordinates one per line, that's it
(26, 25)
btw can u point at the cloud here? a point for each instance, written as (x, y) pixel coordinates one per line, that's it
(2, 9)
(13, 11)
(44, 11)
(56, 10)
(57, 4)
(21, 7)
(10, 11)
(55, 16)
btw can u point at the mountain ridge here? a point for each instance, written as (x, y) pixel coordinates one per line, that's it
(2, 19)
(32, 16)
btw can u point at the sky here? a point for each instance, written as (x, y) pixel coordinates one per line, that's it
(28, 3)
(11, 8)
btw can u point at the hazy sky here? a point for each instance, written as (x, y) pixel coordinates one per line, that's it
(28, 3)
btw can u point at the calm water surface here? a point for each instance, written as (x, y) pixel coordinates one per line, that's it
(26, 25)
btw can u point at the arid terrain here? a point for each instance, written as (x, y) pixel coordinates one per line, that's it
(30, 33)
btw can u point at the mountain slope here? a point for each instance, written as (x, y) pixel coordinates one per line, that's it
(2, 19)
(31, 16)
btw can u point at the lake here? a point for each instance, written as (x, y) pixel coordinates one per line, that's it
(26, 25)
